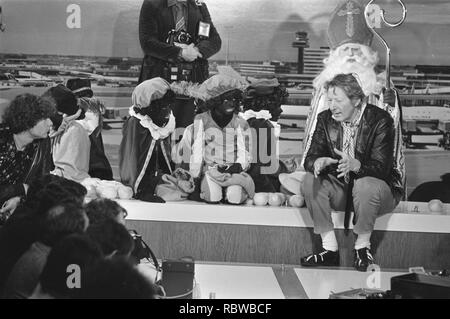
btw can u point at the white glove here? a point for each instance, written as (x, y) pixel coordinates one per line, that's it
(190, 53)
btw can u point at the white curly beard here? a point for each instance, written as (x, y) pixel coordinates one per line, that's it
(336, 64)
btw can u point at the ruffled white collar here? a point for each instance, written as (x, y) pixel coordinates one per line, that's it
(157, 132)
(263, 114)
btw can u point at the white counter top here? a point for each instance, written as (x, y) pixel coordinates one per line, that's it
(404, 219)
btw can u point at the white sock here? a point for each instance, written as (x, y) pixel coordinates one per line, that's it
(363, 241)
(329, 241)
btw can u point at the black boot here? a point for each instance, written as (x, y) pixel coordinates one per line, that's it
(363, 259)
(324, 258)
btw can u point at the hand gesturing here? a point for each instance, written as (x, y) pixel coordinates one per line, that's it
(347, 164)
(321, 163)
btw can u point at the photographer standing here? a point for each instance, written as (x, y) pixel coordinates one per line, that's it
(177, 37)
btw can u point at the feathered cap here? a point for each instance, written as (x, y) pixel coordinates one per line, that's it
(66, 101)
(80, 87)
(225, 81)
(262, 87)
(148, 91)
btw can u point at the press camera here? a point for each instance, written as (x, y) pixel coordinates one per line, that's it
(180, 36)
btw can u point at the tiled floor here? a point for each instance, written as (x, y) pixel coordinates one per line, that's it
(243, 281)
(320, 283)
(237, 282)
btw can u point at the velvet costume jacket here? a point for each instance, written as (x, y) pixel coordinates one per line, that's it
(134, 148)
(205, 144)
(99, 166)
(265, 157)
(374, 146)
(156, 21)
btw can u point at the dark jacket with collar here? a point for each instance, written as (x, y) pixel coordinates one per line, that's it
(156, 20)
(42, 164)
(374, 146)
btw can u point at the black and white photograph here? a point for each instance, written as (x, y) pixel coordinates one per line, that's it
(249, 151)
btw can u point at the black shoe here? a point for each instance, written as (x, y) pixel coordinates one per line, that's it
(324, 258)
(363, 259)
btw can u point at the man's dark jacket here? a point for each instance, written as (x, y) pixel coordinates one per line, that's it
(156, 20)
(374, 146)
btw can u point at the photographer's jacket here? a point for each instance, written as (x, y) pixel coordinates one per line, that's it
(156, 20)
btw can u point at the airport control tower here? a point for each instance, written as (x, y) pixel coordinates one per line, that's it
(301, 42)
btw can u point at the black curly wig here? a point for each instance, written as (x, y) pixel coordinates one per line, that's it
(26, 110)
(158, 109)
(236, 95)
(256, 99)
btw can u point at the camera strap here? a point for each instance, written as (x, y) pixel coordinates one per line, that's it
(148, 250)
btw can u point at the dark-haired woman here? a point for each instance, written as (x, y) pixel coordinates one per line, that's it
(25, 151)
